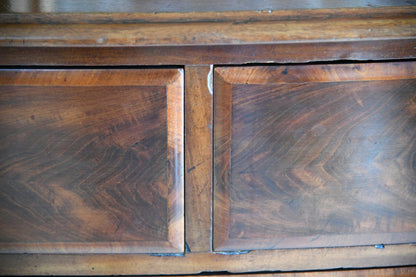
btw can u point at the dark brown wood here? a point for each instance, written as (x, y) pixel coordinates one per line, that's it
(197, 55)
(314, 155)
(198, 153)
(266, 260)
(91, 161)
(262, 13)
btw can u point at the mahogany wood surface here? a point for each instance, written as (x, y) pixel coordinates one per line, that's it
(118, 37)
(198, 153)
(205, 55)
(254, 261)
(314, 155)
(91, 161)
(303, 11)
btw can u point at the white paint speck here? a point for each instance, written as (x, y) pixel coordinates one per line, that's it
(210, 79)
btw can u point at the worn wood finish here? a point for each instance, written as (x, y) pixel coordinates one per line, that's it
(193, 35)
(197, 55)
(374, 272)
(91, 161)
(263, 13)
(198, 154)
(314, 156)
(266, 260)
(213, 33)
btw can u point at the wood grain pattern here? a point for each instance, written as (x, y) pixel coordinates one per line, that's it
(198, 153)
(197, 55)
(314, 156)
(266, 260)
(210, 33)
(91, 161)
(260, 13)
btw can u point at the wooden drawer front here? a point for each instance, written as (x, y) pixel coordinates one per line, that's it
(91, 161)
(314, 155)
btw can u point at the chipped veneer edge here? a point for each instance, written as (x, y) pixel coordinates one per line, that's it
(210, 79)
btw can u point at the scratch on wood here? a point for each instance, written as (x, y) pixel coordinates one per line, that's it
(357, 99)
(315, 238)
(195, 166)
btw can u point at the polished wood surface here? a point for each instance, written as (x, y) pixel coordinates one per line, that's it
(91, 161)
(112, 36)
(385, 49)
(254, 261)
(262, 13)
(314, 155)
(198, 153)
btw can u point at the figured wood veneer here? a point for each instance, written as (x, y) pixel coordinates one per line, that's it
(197, 35)
(314, 156)
(91, 161)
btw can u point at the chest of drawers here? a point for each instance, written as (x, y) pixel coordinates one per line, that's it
(187, 137)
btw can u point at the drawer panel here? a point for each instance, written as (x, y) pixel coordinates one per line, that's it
(91, 161)
(314, 155)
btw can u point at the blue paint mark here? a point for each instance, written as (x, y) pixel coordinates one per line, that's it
(315, 238)
(233, 252)
(168, 255)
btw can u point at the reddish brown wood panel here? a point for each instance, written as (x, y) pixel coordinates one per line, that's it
(219, 54)
(198, 157)
(91, 161)
(314, 155)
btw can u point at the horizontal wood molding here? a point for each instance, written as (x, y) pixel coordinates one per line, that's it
(257, 13)
(210, 33)
(295, 74)
(273, 260)
(200, 55)
(90, 77)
